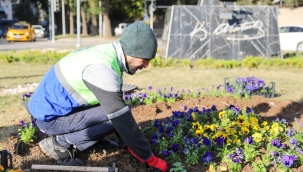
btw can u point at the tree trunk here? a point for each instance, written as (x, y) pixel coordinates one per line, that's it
(71, 23)
(94, 27)
(83, 22)
(108, 30)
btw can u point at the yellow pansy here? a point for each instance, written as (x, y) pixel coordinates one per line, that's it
(274, 131)
(221, 114)
(198, 132)
(201, 128)
(206, 127)
(256, 127)
(222, 168)
(257, 137)
(212, 127)
(254, 120)
(264, 123)
(245, 124)
(211, 168)
(274, 125)
(241, 119)
(1, 168)
(267, 128)
(220, 134)
(245, 130)
(195, 125)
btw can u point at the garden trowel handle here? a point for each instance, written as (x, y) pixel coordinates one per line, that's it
(112, 169)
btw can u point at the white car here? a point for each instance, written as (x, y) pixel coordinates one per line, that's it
(39, 30)
(120, 28)
(291, 38)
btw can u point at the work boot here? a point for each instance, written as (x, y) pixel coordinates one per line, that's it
(53, 149)
(106, 146)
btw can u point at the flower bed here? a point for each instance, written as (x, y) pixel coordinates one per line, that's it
(232, 136)
(241, 88)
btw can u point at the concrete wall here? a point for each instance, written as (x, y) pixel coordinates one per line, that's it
(290, 16)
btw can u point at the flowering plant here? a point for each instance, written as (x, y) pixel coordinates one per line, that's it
(133, 99)
(28, 131)
(26, 96)
(246, 87)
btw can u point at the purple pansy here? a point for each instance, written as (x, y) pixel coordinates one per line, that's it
(207, 157)
(175, 147)
(206, 141)
(249, 140)
(276, 143)
(288, 160)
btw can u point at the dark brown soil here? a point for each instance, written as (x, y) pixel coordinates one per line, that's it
(267, 108)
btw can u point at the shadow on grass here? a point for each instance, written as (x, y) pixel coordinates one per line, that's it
(15, 77)
(6, 132)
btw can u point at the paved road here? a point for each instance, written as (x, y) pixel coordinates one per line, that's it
(62, 43)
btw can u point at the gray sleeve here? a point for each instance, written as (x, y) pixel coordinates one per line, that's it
(112, 102)
(102, 76)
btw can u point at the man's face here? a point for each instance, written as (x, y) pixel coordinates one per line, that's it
(133, 64)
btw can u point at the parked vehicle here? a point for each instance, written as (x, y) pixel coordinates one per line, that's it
(21, 32)
(39, 30)
(291, 38)
(2, 13)
(120, 28)
(4, 25)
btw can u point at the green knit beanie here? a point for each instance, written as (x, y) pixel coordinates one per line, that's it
(138, 40)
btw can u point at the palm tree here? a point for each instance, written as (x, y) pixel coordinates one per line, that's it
(94, 10)
(84, 9)
(72, 11)
(108, 31)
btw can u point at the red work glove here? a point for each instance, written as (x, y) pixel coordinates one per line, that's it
(153, 161)
(157, 163)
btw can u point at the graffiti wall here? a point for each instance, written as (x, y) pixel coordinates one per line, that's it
(230, 32)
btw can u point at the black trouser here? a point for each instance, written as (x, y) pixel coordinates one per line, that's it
(81, 128)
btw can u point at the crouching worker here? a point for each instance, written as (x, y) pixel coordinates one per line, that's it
(79, 101)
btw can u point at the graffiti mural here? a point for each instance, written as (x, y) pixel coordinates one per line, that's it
(221, 32)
